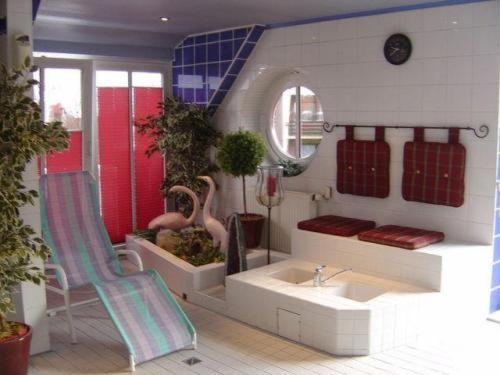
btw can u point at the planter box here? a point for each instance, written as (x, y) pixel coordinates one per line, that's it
(185, 279)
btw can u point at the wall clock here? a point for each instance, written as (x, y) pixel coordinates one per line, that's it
(397, 49)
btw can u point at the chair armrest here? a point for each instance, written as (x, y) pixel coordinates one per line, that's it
(135, 255)
(58, 268)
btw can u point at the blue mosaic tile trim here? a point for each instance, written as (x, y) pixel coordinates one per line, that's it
(206, 66)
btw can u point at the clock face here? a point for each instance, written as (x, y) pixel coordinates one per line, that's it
(397, 49)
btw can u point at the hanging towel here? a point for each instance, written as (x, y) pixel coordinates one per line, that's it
(236, 257)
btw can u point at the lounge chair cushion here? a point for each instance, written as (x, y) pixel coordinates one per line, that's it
(405, 237)
(336, 225)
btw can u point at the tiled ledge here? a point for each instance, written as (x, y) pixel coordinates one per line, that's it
(431, 267)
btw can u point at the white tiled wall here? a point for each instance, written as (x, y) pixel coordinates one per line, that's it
(452, 78)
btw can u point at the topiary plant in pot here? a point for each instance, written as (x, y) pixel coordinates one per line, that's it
(23, 136)
(239, 154)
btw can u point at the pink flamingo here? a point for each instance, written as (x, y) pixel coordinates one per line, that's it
(214, 226)
(175, 220)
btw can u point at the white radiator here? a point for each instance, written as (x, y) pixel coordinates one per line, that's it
(297, 206)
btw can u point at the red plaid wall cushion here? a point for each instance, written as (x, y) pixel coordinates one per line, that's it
(434, 172)
(337, 225)
(363, 166)
(405, 237)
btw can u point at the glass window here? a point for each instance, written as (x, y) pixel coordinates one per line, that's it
(111, 78)
(63, 96)
(297, 137)
(144, 79)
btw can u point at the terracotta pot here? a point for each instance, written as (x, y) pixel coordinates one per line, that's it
(252, 226)
(14, 354)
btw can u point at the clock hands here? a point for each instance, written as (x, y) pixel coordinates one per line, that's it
(394, 50)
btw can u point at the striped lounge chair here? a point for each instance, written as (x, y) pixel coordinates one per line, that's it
(148, 318)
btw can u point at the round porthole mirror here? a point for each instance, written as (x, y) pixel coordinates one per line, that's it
(296, 128)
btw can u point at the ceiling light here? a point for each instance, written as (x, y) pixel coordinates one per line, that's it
(164, 19)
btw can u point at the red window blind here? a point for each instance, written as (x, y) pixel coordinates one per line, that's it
(70, 160)
(114, 159)
(149, 172)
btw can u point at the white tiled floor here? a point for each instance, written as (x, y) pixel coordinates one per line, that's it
(229, 347)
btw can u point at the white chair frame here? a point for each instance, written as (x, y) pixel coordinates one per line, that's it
(64, 291)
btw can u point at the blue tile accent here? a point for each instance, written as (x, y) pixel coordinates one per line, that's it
(175, 91)
(498, 167)
(498, 198)
(213, 52)
(227, 82)
(200, 54)
(189, 41)
(176, 71)
(188, 95)
(495, 300)
(226, 35)
(177, 57)
(495, 276)
(237, 66)
(201, 96)
(237, 44)
(226, 50)
(241, 33)
(497, 222)
(35, 6)
(496, 247)
(209, 65)
(188, 55)
(200, 39)
(256, 33)
(403, 8)
(246, 50)
(224, 66)
(214, 37)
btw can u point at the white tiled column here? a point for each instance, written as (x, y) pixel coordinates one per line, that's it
(30, 300)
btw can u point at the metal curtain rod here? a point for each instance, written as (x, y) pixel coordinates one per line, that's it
(482, 132)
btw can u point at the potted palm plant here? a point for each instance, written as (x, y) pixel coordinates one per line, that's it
(183, 133)
(239, 154)
(23, 136)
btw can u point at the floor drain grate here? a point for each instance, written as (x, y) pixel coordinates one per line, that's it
(192, 361)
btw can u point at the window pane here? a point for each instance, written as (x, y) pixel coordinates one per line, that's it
(284, 123)
(111, 78)
(311, 116)
(63, 97)
(144, 79)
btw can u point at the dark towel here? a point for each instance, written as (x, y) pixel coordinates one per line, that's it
(236, 257)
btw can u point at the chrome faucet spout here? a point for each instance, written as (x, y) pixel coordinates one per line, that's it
(338, 273)
(318, 281)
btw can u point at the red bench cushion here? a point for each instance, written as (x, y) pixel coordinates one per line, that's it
(405, 237)
(336, 225)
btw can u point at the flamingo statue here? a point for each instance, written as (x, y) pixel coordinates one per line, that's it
(214, 226)
(175, 220)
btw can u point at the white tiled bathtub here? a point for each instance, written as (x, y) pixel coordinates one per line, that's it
(351, 314)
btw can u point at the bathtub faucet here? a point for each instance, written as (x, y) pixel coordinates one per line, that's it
(317, 281)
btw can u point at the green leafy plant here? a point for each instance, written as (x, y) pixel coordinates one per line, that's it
(23, 136)
(290, 168)
(184, 134)
(239, 154)
(195, 246)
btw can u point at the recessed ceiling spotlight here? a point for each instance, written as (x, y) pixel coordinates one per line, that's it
(164, 19)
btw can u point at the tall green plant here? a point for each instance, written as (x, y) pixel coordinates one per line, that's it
(184, 134)
(239, 154)
(23, 136)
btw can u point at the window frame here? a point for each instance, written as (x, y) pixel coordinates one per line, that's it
(290, 81)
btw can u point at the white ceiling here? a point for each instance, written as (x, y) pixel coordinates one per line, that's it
(136, 22)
